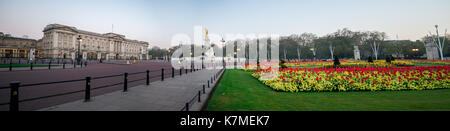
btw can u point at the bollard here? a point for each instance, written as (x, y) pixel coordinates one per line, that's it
(162, 74)
(211, 80)
(186, 70)
(208, 83)
(203, 89)
(49, 65)
(64, 65)
(181, 71)
(187, 106)
(148, 77)
(125, 82)
(199, 100)
(10, 66)
(31, 66)
(87, 91)
(173, 72)
(14, 99)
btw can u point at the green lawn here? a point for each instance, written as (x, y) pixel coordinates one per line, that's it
(238, 91)
(24, 65)
(427, 64)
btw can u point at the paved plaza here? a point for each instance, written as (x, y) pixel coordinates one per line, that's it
(168, 95)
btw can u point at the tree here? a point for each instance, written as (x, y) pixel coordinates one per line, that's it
(331, 47)
(338, 43)
(375, 39)
(302, 40)
(158, 52)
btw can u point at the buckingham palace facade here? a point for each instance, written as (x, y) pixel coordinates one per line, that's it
(61, 41)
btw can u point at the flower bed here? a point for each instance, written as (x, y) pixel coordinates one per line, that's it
(358, 79)
(377, 63)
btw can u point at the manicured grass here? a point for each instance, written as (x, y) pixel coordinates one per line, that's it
(24, 65)
(239, 91)
(427, 64)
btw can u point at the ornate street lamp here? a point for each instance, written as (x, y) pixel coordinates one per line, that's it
(203, 56)
(235, 62)
(168, 55)
(238, 59)
(223, 52)
(98, 51)
(79, 46)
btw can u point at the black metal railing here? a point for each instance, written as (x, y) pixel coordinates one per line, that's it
(15, 85)
(43, 63)
(197, 97)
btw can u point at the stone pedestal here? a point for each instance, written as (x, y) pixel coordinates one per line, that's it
(432, 50)
(84, 55)
(356, 52)
(72, 55)
(99, 56)
(31, 54)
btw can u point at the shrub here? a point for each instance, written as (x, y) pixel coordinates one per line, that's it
(388, 59)
(370, 59)
(283, 64)
(336, 61)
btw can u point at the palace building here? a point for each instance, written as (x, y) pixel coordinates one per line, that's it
(61, 41)
(15, 47)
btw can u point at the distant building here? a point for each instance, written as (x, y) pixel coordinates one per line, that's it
(60, 41)
(15, 47)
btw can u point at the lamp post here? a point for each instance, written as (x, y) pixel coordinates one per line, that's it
(192, 59)
(237, 50)
(98, 51)
(223, 52)
(415, 50)
(203, 56)
(79, 46)
(168, 55)
(235, 62)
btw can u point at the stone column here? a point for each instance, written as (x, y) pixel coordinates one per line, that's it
(55, 40)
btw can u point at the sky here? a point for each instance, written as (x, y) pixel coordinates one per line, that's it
(156, 21)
